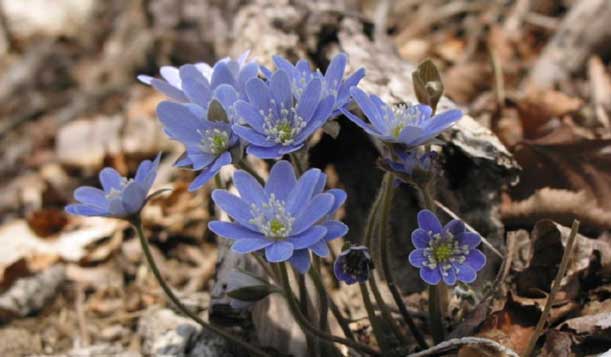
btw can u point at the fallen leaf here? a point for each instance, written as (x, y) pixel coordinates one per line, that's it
(537, 106)
(557, 344)
(47, 221)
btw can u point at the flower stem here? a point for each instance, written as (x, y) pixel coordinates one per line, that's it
(303, 306)
(174, 299)
(307, 326)
(322, 294)
(435, 314)
(386, 313)
(385, 236)
(299, 166)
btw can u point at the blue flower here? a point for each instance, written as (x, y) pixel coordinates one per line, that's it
(120, 197)
(278, 123)
(281, 218)
(353, 265)
(207, 143)
(333, 82)
(408, 125)
(445, 253)
(199, 83)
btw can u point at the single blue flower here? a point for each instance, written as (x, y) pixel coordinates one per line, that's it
(445, 253)
(199, 83)
(280, 218)
(278, 123)
(335, 229)
(207, 143)
(333, 82)
(120, 197)
(353, 265)
(408, 125)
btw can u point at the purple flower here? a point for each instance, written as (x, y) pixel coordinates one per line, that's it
(278, 123)
(408, 125)
(353, 265)
(445, 253)
(333, 82)
(120, 197)
(197, 83)
(281, 218)
(207, 143)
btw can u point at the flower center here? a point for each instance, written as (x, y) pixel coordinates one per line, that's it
(443, 251)
(281, 125)
(402, 116)
(214, 141)
(271, 219)
(117, 192)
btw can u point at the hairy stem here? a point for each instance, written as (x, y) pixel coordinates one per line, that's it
(174, 299)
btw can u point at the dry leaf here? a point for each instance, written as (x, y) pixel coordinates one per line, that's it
(20, 242)
(548, 242)
(557, 344)
(538, 106)
(47, 221)
(464, 81)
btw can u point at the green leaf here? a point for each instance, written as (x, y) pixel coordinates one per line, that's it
(250, 293)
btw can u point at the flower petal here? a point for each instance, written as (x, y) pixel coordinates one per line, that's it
(308, 102)
(208, 173)
(169, 90)
(321, 248)
(455, 227)
(301, 260)
(476, 259)
(417, 258)
(430, 276)
(465, 273)
(450, 277)
(335, 229)
(250, 114)
(245, 246)
(133, 197)
(281, 180)
(233, 231)
(261, 152)
(249, 188)
(420, 238)
(252, 136)
(179, 122)
(235, 207)
(318, 207)
(302, 191)
(335, 70)
(110, 178)
(428, 221)
(281, 89)
(340, 199)
(258, 94)
(91, 196)
(79, 209)
(369, 108)
(278, 251)
(308, 238)
(469, 239)
(221, 74)
(358, 121)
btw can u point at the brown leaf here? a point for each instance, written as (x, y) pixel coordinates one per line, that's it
(557, 344)
(47, 221)
(465, 80)
(561, 206)
(566, 160)
(538, 106)
(548, 242)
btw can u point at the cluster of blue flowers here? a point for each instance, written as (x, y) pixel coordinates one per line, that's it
(220, 113)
